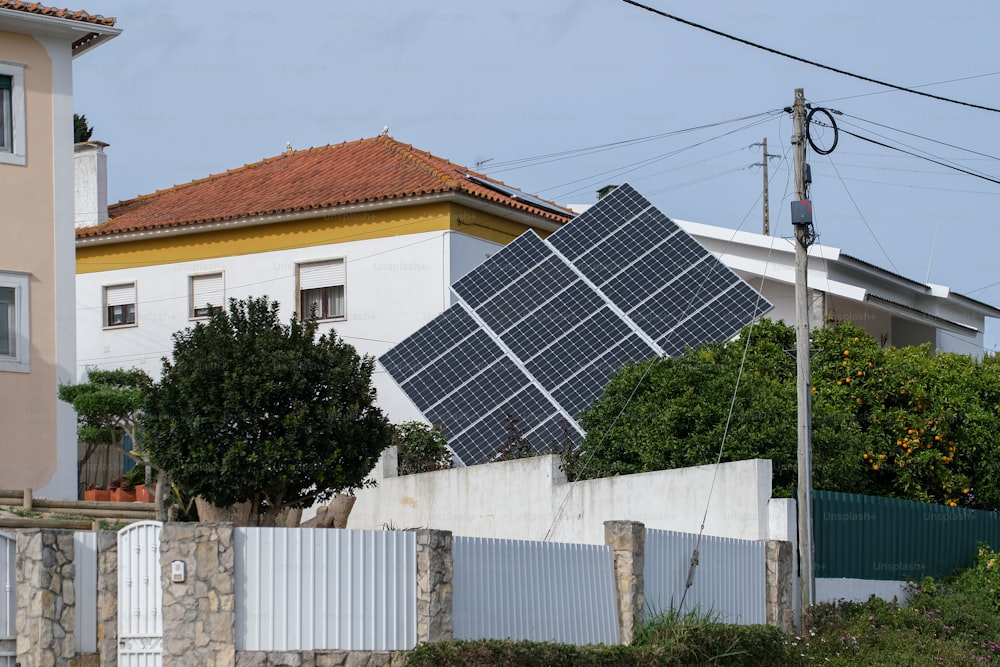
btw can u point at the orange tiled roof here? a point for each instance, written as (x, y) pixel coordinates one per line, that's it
(367, 170)
(38, 8)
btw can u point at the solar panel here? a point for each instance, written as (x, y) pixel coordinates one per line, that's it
(542, 326)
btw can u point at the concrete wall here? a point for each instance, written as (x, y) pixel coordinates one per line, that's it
(530, 499)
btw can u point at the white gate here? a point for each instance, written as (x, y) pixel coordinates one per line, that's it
(8, 602)
(140, 596)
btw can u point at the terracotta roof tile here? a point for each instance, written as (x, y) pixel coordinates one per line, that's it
(38, 8)
(367, 170)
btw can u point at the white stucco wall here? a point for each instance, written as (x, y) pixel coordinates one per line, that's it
(394, 285)
(859, 590)
(530, 499)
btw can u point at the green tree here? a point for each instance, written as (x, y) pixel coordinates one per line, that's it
(81, 130)
(253, 410)
(107, 406)
(420, 448)
(896, 422)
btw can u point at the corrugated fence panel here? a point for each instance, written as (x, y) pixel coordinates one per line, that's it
(310, 588)
(8, 605)
(85, 582)
(541, 591)
(868, 537)
(729, 582)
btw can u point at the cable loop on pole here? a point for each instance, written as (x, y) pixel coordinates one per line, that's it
(833, 124)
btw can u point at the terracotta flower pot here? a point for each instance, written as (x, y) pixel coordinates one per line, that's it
(97, 494)
(143, 495)
(122, 496)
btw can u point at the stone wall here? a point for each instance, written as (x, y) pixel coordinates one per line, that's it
(435, 570)
(199, 614)
(627, 540)
(778, 584)
(46, 597)
(321, 659)
(107, 597)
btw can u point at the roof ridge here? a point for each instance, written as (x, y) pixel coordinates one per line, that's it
(235, 170)
(424, 160)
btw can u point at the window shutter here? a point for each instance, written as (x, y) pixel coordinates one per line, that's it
(321, 274)
(119, 295)
(207, 290)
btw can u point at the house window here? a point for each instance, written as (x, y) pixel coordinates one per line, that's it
(12, 114)
(207, 295)
(14, 338)
(119, 305)
(321, 290)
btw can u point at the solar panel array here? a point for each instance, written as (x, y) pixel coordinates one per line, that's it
(540, 327)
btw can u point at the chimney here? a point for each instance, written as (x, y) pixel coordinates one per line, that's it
(605, 191)
(90, 165)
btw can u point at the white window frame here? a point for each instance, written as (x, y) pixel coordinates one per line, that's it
(120, 288)
(17, 155)
(20, 361)
(195, 305)
(337, 267)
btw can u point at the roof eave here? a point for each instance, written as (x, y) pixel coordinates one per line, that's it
(524, 217)
(84, 35)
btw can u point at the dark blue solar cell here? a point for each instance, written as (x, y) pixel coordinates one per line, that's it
(503, 268)
(428, 343)
(527, 293)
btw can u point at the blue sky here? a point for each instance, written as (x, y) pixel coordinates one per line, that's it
(195, 88)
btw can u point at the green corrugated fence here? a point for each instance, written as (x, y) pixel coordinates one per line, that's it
(868, 537)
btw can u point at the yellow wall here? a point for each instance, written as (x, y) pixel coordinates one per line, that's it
(27, 400)
(297, 234)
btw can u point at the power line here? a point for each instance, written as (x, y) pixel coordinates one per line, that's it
(520, 163)
(922, 85)
(922, 157)
(806, 61)
(919, 136)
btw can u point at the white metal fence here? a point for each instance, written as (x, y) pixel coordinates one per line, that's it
(728, 583)
(85, 583)
(542, 591)
(8, 605)
(307, 588)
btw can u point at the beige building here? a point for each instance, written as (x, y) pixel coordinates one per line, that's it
(38, 447)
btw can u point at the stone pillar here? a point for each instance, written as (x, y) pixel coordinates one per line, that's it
(46, 597)
(434, 590)
(199, 614)
(627, 540)
(780, 574)
(107, 597)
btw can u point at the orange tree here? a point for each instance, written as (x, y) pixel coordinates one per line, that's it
(898, 422)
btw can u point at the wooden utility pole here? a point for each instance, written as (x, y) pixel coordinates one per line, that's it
(767, 214)
(767, 207)
(802, 222)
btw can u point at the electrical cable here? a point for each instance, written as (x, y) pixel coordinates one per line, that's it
(519, 163)
(833, 124)
(922, 85)
(919, 136)
(862, 215)
(806, 61)
(922, 157)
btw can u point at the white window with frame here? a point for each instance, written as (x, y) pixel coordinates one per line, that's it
(15, 337)
(207, 295)
(119, 305)
(321, 290)
(12, 130)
